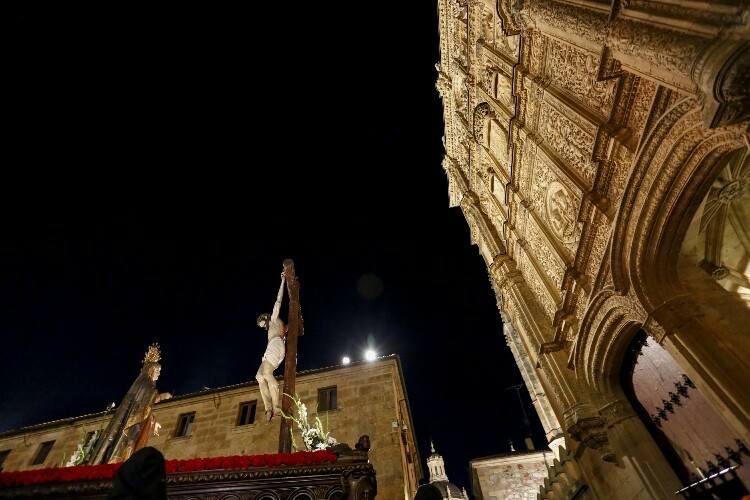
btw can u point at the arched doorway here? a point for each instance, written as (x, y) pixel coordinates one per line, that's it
(707, 456)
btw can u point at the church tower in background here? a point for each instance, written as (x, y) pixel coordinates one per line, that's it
(439, 479)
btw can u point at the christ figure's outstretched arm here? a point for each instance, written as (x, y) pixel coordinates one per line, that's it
(279, 296)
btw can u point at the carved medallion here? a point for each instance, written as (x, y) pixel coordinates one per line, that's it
(561, 212)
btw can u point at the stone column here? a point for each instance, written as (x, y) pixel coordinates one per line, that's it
(551, 425)
(706, 332)
(645, 472)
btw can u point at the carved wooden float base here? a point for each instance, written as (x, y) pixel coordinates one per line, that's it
(352, 479)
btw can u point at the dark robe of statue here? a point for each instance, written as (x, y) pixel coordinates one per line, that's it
(133, 422)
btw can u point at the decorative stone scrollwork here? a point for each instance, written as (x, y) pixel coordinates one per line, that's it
(486, 78)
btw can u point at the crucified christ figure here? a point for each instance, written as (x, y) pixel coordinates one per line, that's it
(275, 352)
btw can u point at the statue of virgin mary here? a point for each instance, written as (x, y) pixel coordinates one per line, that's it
(133, 421)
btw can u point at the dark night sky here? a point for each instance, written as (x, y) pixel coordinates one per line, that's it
(163, 163)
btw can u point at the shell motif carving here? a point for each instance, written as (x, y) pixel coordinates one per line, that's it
(482, 113)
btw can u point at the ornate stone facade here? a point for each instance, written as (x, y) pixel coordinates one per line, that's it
(598, 151)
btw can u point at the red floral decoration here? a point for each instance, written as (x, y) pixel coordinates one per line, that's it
(107, 471)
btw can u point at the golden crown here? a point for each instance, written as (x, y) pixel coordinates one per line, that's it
(153, 355)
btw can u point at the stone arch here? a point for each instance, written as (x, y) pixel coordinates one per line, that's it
(607, 328)
(718, 239)
(673, 170)
(671, 174)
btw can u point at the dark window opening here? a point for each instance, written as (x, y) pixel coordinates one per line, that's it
(184, 424)
(90, 445)
(327, 398)
(246, 414)
(3, 455)
(41, 454)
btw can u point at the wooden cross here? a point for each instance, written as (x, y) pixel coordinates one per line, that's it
(295, 329)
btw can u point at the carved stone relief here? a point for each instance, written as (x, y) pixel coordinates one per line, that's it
(460, 43)
(536, 285)
(580, 309)
(555, 203)
(574, 71)
(640, 108)
(561, 210)
(528, 155)
(568, 140)
(537, 43)
(618, 173)
(487, 81)
(508, 45)
(503, 92)
(459, 91)
(487, 33)
(498, 144)
(550, 262)
(599, 234)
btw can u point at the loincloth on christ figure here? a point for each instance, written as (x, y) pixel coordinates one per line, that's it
(275, 352)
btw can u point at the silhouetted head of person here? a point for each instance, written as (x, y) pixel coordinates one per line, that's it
(141, 477)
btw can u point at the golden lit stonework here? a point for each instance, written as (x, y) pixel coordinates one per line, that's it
(598, 151)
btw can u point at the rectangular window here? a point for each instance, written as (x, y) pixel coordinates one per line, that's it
(184, 424)
(89, 443)
(3, 455)
(246, 414)
(41, 454)
(327, 398)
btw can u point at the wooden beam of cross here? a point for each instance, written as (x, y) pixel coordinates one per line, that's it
(295, 330)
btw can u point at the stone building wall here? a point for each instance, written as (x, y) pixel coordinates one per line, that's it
(513, 476)
(370, 400)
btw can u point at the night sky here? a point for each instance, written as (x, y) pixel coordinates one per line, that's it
(160, 165)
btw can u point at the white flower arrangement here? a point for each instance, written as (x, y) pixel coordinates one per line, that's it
(83, 450)
(314, 437)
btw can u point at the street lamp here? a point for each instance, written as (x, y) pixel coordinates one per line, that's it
(370, 355)
(345, 360)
